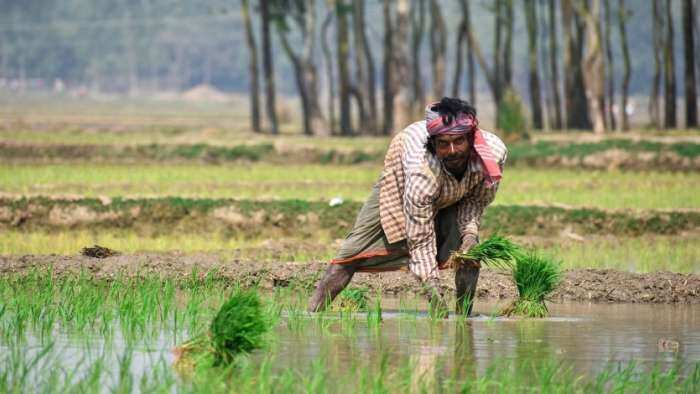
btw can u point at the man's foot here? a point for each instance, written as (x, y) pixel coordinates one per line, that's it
(335, 279)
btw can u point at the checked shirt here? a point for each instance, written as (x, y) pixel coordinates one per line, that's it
(415, 185)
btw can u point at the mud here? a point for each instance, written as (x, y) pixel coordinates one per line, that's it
(601, 155)
(249, 219)
(592, 285)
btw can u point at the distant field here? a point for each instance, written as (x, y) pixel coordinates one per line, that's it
(603, 189)
(639, 254)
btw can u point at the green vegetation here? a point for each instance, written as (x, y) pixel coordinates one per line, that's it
(352, 299)
(512, 121)
(601, 189)
(238, 328)
(496, 252)
(535, 277)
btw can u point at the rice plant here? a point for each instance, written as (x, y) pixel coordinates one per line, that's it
(496, 252)
(353, 299)
(237, 328)
(535, 277)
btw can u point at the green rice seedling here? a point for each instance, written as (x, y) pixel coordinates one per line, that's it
(535, 277)
(238, 328)
(496, 252)
(374, 315)
(353, 299)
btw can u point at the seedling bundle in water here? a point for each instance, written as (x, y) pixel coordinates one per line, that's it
(535, 276)
(237, 328)
(353, 299)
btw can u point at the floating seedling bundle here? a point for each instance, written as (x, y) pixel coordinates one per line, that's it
(535, 276)
(353, 299)
(237, 328)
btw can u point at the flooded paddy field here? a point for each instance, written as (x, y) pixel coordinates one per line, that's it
(81, 334)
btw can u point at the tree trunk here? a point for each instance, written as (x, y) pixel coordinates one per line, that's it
(370, 85)
(622, 19)
(328, 60)
(669, 72)
(575, 100)
(343, 70)
(402, 104)
(471, 74)
(252, 68)
(508, 48)
(534, 78)
(268, 67)
(360, 66)
(303, 62)
(657, 22)
(417, 29)
(553, 64)
(388, 74)
(610, 69)
(691, 104)
(438, 47)
(593, 69)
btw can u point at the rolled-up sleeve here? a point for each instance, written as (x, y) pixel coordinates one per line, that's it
(419, 209)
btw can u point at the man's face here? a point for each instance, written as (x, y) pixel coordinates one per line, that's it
(452, 150)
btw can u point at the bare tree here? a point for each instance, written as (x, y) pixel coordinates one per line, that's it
(669, 72)
(388, 69)
(303, 15)
(593, 67)
(691, 104)
(553, 64)
(400, 57)
(622, 18)
(328, 61)
(575, 100)
(343, 45)
(609, 68)
(365, 67)
(417, 16)
(438, 48)
(268, 67)
(534, 78)
(657, 23)
(252, 67)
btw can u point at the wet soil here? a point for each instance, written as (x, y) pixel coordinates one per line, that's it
(591, 285)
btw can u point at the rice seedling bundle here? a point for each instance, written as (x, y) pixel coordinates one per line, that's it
(496, 252)
(353, 299)
(238, 328)
(535, 277)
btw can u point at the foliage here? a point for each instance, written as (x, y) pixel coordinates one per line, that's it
(512, 120)
(353, 299)
(535, 277)
(497, 252)
(237, 328)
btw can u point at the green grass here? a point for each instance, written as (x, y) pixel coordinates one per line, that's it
(495, 252)
(602, 189)
(535, 277)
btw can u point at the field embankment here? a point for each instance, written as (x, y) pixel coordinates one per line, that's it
(251, 218)
(577, 285)
(607, 154)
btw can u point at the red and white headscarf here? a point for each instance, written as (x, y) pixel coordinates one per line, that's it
(463, 124)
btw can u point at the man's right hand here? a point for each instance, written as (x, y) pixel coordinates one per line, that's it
(436, 299)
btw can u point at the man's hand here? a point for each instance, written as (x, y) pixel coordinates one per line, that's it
(436, 298)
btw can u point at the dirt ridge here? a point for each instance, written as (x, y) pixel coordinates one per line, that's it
(583, 285)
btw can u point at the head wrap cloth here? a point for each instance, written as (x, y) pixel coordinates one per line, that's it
(463, 124)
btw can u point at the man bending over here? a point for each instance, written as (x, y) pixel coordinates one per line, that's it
(439, 175)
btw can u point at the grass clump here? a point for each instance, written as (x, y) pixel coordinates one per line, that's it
(353, 299)
(535, 277)
(496, 252)
(238, 328)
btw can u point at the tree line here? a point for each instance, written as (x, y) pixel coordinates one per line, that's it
(583, 98)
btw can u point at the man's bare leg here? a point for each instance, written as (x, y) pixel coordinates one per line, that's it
(466, 276)
(335, 279)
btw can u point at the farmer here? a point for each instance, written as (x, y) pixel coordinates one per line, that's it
(439, 175)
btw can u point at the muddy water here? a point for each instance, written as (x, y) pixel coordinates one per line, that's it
(588, 337)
